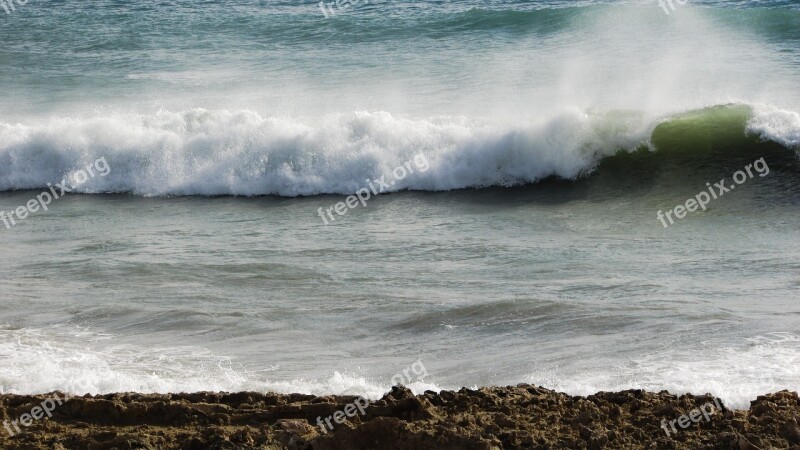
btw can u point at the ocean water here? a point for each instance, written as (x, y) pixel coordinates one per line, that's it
(205, 141)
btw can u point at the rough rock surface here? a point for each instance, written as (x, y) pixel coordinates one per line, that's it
(521, 417)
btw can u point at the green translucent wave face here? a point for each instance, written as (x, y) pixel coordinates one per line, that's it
(687, 151)
(706, 131)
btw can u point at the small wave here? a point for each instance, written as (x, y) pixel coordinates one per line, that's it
(78, 362)
(737, 374)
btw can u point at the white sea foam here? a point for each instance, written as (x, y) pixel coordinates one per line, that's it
(776, 125)
(203, 152)
(200, 152)
(75, 361)
(37, 361)
(735, 373)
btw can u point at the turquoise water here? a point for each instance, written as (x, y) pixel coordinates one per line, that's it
(527, 249)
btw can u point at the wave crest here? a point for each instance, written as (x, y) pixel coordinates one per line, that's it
(201, 152)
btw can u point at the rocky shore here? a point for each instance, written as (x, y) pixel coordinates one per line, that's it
(521, 417)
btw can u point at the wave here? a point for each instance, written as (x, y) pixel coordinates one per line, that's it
(87, 364)
(736, 373)
(778, 19)
(202, 152)
(84, 364)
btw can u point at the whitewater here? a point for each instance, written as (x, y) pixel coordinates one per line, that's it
(202, 152)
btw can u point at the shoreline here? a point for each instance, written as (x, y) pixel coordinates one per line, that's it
(523, 416)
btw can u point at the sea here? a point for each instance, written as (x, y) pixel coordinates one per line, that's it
(582, 195)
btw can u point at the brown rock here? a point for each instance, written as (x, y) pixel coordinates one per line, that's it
(299, 427)
(791, 432)
(519, 417)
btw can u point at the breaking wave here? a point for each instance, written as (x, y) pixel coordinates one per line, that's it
(202, 152)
